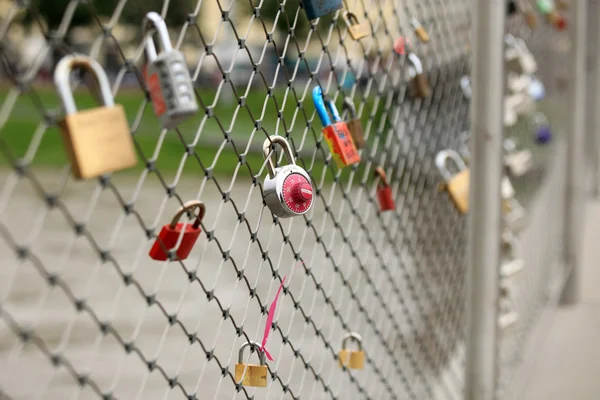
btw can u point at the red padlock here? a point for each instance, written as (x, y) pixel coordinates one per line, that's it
(560, 23)
(384, 191)
(169, 235)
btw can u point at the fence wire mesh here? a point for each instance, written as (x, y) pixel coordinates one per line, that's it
(85, 313)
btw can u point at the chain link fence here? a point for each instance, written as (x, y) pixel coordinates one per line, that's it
(85, 313)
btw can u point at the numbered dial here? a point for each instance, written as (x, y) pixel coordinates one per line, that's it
(297, 193)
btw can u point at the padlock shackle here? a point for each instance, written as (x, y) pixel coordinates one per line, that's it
(253, 346)
(355, 337)
(416, 63)
(349, 106)
(153, 20)
(287, 150)
(441, 160)
(62, 74)
(325, 108)
(189, 206)
(383, 181)
(350, 19)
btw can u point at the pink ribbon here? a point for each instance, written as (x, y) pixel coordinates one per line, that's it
(271, 315)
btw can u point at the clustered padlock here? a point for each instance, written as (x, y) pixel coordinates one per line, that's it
(518, 163)
(542, 132)
(97, 140)
(356, 29)
(167, 76)
(170, 233)
(456, 185)
(418, 80)
(511, 264)
(465, 85)
(317, 8)
(420, 31)
(354, 125)
(337, 135)
(384, 191)
(288, 191)
(518, 57)
(352, 359)
(251, 374)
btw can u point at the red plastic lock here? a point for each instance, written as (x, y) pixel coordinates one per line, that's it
(340, 143)
(560, 23)
(169, 235)
(158, 101)
(384, 191)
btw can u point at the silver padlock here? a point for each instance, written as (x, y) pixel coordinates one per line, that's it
(507, 315)
(288, 190)
(167, 76)
(518, 57)
(512, 263)
(518, 163)
(465, 85)
(516, 83)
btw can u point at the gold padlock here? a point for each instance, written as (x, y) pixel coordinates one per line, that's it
(418, 80)
(250, 374)
(97, 140)
(456, 185)
(352, 359)
(419, 30)
(355, 28)
(354, 125)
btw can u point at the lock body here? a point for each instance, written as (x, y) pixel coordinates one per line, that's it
(317, 8)
(519, 163)
(98, 141)
(420, 86)
(169, 236)
(253, 375)
(352, 359)
(358, 31)
(386, 200)
(356, 131)
(458, 189)
(422, 34)
(511, 267)
(340, 144)
(171, 88)
(289, 193)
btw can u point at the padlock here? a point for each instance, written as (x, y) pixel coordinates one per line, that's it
(516, 83)
(317, 8)
(519, 163)
(384, 191)
(355, 28)
(512, 263)
(167, 77)
(536, 89)
(542, 132)
(510, 116)
(530, 18)
(402, 46)
(169, 234)
(421, 33)
(354, 125)
(560, 22)
(465, 85)
(251, 374)
(507, 316)
(511, 7)
(352, 359)
(337, 134)
(456, 185)
(518, 57)
(418, 80)
(97, 140)
(287, 190)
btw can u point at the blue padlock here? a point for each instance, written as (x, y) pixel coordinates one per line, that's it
(318, 8)
(536, 89)
(336, 133)
(542, 131)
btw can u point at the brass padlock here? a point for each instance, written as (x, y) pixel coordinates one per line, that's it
(419, 30)
(354, 125)
(355, 28)
(250, 374)
(418, 80)
(352, 359)
(457, 185)
(97, 140)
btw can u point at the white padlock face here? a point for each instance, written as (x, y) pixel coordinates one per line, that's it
(518, 83)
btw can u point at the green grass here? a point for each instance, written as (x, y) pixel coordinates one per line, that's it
(23, 128)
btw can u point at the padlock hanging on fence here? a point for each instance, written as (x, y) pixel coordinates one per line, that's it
(167, 76)
(170, 233)
(419, 30)
(402, 46)
(352, 359)
(97, 140)
(287, 190)
(541, 128)
(384, 191)
(418, 80)
(457, 185)
(507, 316)
(318, 8)
(354, 124)
(251, 374)
(336, 133)
(357, 30)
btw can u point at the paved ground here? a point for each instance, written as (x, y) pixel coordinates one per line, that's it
(568, 363)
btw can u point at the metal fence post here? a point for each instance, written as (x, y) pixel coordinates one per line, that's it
(483, 243)
(592, 117)
(574, 189)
